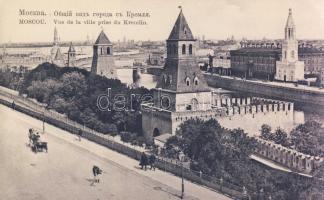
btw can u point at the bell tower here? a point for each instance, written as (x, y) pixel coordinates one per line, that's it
(289, 69)
(290, 44)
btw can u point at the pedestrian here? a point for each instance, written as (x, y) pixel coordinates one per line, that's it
(13, 105)
(96, 171)
(80, 134)
(152, 161)
(143, 161)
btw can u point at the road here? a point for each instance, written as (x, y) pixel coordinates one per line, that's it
(65, 171)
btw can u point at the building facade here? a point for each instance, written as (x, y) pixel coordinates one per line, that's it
(260, 59)
(103, 61)
(220, 64)
(289, 68)
(181, 91)
(255, 61)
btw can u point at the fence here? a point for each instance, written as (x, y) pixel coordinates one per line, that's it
(36, 110)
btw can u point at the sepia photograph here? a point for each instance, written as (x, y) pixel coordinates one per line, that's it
(162, 100)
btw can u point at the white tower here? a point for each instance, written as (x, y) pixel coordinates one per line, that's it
(289, 68)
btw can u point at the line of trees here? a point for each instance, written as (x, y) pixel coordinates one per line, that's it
(307, 138)
(74, 92)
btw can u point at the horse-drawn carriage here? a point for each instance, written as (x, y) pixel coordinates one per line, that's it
(35, 143)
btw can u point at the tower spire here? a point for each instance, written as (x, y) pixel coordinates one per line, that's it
(181, 30)
(56, 38)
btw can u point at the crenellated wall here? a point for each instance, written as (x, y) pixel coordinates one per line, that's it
(253, 105)
(287, 157)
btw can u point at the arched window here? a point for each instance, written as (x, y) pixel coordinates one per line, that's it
(190, 49)
(169, 79)
(188, 81)
(196, 80)
(194, 104)
(108, 50)
(175, 50)
(183, 49)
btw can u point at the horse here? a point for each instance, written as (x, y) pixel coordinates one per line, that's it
(41, 146)
(96, 171)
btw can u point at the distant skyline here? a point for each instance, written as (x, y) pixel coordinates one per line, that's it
(253, 19)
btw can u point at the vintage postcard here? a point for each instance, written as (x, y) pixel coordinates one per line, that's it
(157, 100)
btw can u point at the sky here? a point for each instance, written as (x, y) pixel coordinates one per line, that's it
(215, 19)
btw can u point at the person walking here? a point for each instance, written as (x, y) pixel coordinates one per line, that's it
(152, 162)
(80, 134)
(13, 105)
(143, 161)
(96, 171)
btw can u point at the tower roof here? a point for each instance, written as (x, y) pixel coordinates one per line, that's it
(58, 55)
(102, 39)
(181, 30)
(290, 21)
(71, 48)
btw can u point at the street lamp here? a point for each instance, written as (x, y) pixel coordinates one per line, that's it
(44, 105)
(181, 158)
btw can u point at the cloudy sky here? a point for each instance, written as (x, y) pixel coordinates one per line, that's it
(216, 19)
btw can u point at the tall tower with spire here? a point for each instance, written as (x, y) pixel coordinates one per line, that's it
(181, 92)
(56, 37)
(71, 56)
(102, 61)
(289, 68)
(182, 76)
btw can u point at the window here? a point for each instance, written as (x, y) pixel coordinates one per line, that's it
(190, 49)
(188, 81)
(196, 80)
(101, 51)
(183, 49)
(285, 54)
(108, 50)
(169, 48)
(293, 54)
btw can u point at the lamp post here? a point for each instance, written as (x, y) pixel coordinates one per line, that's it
(44, 105)
(181, 158)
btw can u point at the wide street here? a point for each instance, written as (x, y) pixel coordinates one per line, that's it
(65, 171)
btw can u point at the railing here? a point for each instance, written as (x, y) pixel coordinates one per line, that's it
(36, 110)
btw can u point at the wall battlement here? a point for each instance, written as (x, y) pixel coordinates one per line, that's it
(253, 105)
(287, 157)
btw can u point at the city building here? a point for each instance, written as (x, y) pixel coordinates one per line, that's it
(313, 58)
(289, 68)
(255, 60)
(220, 64)
(103, 61)
(258, 59)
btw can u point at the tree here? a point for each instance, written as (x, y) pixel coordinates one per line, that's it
(280, 137)
(308, 138)
(266, 132)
